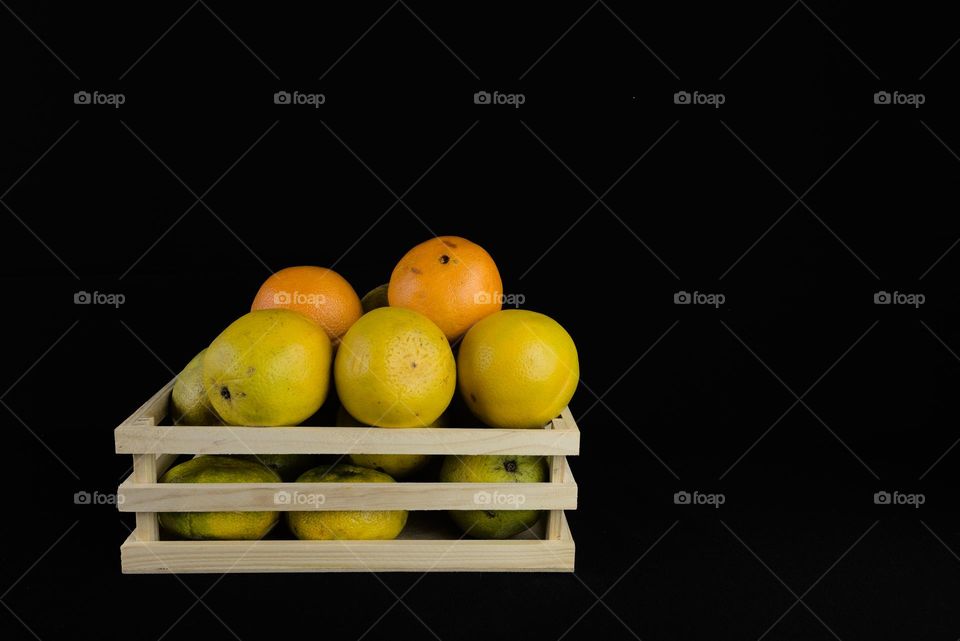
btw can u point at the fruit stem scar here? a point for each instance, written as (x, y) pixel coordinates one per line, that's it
(510, 466)
(444, 259)
(225, 392)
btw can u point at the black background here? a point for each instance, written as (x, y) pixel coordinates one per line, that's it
(686, 390)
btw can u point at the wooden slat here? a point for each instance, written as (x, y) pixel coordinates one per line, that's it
(142, 433)
(183, 439)
(557, 472)
(145, 471)
(401, 555)
(559, 468)
(155, 409)
(285, 497)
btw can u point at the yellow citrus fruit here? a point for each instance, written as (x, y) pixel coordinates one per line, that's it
(395, 368)
(399, 466)
(374, 299)
(189, 404)
(269, 367)
(491, 523)
(517, 369)
(219, 525)
(329, 525)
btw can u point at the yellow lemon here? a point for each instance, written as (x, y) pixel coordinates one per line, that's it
(490, 523)
(189, 404)
(395, 368)
(219, 525)
(399, 466)
(517, 368)
(329, 525)
(269, 367)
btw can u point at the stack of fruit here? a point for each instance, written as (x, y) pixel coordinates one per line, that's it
(392, 366)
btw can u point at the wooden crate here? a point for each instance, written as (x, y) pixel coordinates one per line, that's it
(428, 543)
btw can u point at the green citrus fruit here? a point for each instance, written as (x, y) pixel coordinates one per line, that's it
(330, 525)
(488, 522)
(189, 404)
(219, 525)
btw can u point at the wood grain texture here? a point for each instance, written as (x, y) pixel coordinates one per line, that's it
(416, 552)
(141, 434)
(144, 471)
(423, 546)
(286, 497)
(183, 439)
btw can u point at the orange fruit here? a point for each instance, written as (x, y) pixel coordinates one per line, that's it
(320, 294)
(450, 280)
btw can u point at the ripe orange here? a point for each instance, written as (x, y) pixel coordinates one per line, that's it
(450, 280)
(320, 294)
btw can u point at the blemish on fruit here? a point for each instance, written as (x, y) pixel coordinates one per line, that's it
(413, 364)
(510, 466)
(450, 244)
(473, 397)
(415, 270)
(444, 259)
(225, 392)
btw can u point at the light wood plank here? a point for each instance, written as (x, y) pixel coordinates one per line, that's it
(183, 439)
(401, 555)
(285, 497)
(155, 409)
(144, 471)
